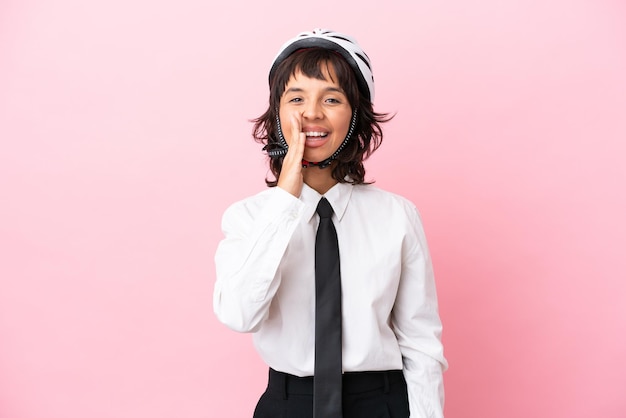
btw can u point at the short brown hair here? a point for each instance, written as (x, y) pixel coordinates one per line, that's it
(367, 135)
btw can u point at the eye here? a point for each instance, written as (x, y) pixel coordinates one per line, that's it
(333, 100)
(295, 100)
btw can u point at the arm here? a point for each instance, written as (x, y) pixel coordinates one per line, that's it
(255, 240)
(247, 259)
(417, 325)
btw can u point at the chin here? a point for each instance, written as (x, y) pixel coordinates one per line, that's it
(315, 158)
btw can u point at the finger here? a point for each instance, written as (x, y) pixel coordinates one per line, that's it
(297, 136)
(290, 178)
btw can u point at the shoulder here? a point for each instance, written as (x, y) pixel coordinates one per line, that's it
(251, 203)
(267, 205)
(389, 214)
(392, 212)
(382, 200)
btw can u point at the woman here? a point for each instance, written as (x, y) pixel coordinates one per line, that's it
(346, 294)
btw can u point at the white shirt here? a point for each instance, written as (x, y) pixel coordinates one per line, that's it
(266, 285)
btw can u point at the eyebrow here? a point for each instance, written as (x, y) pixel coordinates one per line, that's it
(327, 89)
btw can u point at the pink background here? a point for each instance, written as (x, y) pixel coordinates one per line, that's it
(125, 134)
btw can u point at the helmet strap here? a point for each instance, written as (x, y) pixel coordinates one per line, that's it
(280, 149)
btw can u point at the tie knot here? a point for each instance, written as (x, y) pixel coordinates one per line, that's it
(324, 209)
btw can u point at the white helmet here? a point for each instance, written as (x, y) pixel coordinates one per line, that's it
(343, 44)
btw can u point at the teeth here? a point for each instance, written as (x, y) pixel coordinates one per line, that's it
(316, 133)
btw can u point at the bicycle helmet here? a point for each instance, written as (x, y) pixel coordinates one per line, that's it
(345, 45)
(354, 56)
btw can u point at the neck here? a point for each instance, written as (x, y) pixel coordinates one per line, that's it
(319, 179)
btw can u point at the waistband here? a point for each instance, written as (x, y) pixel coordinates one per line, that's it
(353, 382)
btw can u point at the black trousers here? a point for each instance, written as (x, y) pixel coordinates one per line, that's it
(365, 395)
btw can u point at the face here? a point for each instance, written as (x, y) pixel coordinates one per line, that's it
(322, 109)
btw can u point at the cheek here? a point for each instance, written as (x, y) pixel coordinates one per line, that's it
(285, 125)
(284, 120)
(343, 122)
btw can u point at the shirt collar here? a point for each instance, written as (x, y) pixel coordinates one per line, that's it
(338, 196)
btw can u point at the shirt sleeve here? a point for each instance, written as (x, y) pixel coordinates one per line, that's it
(256, 235)
(417, 325)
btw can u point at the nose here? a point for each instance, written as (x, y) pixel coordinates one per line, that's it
(313, 110)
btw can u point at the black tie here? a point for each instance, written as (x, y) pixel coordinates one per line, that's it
(327, 380)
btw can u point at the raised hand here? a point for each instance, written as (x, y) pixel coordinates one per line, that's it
(291, 178)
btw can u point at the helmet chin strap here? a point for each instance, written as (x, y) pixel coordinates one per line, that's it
(280, 150)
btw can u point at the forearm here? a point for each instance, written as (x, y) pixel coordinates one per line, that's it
(424, 376)
(248, 258)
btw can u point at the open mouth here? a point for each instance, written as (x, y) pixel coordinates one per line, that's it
(316, 134)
